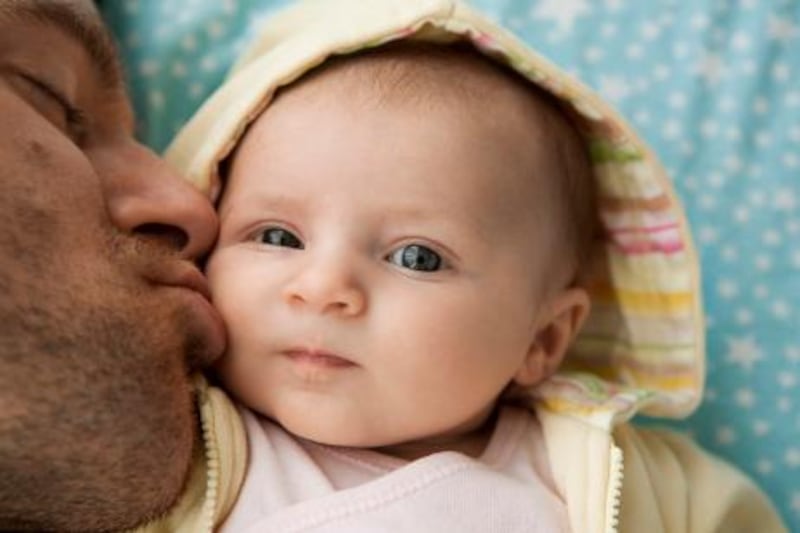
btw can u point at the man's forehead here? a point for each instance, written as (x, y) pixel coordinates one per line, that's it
(77, 18)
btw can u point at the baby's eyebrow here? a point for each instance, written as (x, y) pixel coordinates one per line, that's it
(456, 223)
(255, 202)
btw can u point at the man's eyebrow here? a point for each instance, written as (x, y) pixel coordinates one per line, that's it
(93, 37)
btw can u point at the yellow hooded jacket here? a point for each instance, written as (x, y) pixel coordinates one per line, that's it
(641, 351)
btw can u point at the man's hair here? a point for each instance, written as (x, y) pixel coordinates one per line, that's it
(430, 74)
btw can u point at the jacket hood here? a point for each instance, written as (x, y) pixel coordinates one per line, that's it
(642, 348)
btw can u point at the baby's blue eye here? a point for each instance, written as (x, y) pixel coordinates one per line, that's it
(279, 237)
(416, 257)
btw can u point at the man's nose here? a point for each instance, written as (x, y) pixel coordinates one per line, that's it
(327, 284)
(145, 197)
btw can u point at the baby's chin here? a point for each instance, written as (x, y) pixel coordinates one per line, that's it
(356, 430)
(407, 447)
(336, 432)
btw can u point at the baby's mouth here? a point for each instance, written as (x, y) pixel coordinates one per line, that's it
(316, 357)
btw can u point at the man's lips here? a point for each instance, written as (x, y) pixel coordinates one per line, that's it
(191, 278)
(316, 357)
(186, 276)
(180, 274)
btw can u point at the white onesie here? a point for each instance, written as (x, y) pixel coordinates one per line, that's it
(297, 485)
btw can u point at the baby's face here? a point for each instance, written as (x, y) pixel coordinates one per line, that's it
(378, 268)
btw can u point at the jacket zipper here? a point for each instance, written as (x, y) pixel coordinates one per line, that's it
(211, 459)
(614, 494)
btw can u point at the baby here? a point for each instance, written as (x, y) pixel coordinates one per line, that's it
(408, 248)
(394, 251)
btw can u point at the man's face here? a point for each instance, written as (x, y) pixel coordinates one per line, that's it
(102, 313)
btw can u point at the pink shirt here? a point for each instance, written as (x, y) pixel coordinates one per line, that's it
(297, 485)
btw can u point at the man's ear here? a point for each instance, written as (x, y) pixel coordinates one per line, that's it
(560, 322)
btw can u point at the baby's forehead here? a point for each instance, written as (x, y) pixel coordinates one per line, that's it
(428, 74)
(424, 78)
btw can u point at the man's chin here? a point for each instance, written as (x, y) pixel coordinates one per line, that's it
(206, 337)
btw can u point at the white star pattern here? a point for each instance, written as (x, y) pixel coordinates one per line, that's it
(711, 68)
(760, 291)
(672, 129)
(215, 29)
(749, 67)
(784, 404)
(562, 13)
(148, 68)
(761, 427)
(763, 262)
(785, 200)
(787, 379)
(764, 466)
(709, 235)
(763, 139)
(781, 72)
(634, 51)
(179, 69)
(733, 163)
(744, 317)
(650, 31)
(726, 435)
(593, 54)
(781, 309)
(614, 88)
(680, 50)
(780, 29)
(699, 22)
(758, 198)
(727, 289)
(771, 238)
(196, 90)
(131, 7)
(741, 214)
(209, 63)
(229, 6)
(741, 41)
(727, 104)
(677, 100)
(709, 128)
(745, 398)
(189, 43)
(743, 352)
(760, 105)
(157, 99)
(792, 457)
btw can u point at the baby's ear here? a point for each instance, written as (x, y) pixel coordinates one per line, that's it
(560, 322)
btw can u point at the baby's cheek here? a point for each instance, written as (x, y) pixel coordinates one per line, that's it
(240, 375)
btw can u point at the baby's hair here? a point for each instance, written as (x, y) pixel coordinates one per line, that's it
(430, 74)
